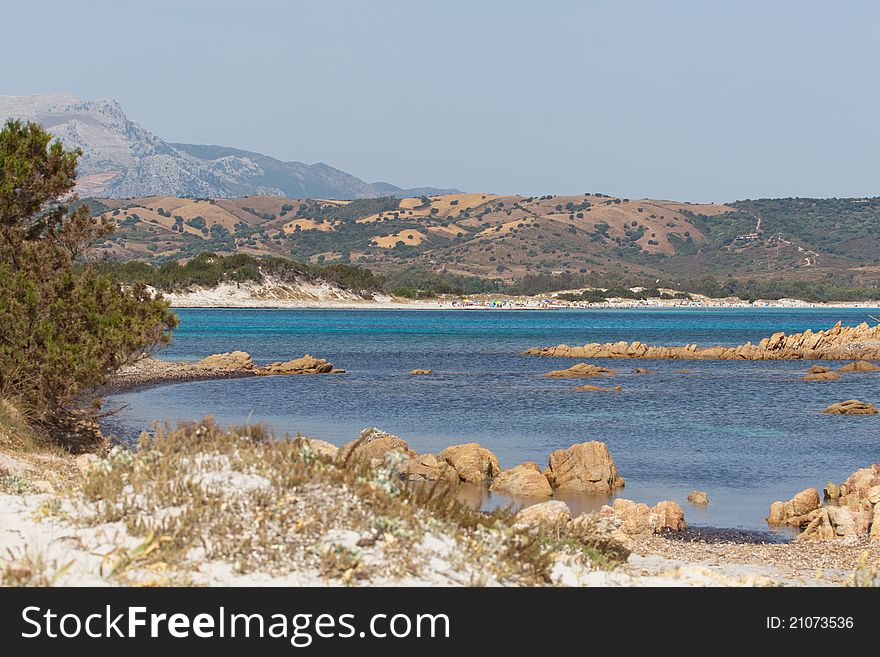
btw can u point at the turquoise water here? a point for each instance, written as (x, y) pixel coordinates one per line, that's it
(746, 432)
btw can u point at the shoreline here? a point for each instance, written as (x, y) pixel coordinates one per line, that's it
(448, 305)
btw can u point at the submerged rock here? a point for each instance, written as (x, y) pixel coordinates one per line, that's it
(421, 372)
(860, 366)
(526, 480)
(585, 467)
(474, 464)
(599, 389)
(579, 371)
(851, 407)
(821, 373)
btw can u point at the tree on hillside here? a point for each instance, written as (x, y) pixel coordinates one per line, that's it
(64, 328)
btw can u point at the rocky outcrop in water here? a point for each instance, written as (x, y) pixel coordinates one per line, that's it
(524, 480)
(474, 464)
(851, 407)
(799, 511)
(820, 373)
(421, 372)
(305, 365)
(860, 342)
(860, 366)
(698, 498)
(585, 467)
(580, 371)
(852, 509)
(599, 389)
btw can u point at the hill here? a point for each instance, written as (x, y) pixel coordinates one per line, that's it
(121, 159)
(826, 242)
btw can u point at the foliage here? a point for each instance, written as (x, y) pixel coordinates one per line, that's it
(63, 329)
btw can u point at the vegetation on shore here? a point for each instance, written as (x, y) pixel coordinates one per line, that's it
(63, 329)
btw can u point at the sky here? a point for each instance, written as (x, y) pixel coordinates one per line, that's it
(698, 101)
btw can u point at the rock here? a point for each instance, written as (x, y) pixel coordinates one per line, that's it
(635, 517)
(860, 366)
(427, 467)
(820, 373)
(372, 444)
(85, 461)
(640, 370)
(818, 529)
(851, 407)
(799, 511)
(548, 514)
(599, 389)
(668, 517)
(860, 342)
(525, 479)
(585, 467)
(639, 521)
(305, 365)
(602, 533)
(831, 491)
(14, 467)
(683, 371)
(698, 497)
(421, 372)
(318, 447)
(875, 524)
(579, 371)
(228, 362)
(473, 463)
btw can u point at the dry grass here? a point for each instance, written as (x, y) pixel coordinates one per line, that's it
(202, 494)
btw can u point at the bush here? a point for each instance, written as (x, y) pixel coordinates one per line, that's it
(63, 328)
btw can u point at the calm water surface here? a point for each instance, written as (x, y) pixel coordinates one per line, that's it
(746, 432)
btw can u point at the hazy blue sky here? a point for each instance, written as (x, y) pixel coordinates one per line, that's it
(687, 100)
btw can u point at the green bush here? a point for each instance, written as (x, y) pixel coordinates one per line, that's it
(63, 328)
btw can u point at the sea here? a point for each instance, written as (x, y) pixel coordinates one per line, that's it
(747, 433)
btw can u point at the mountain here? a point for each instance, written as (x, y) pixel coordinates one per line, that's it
(827, 241)
(123, 160)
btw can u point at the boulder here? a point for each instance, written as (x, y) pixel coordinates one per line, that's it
(860, 366)
(317, 447)
(799, 511)
(421, 372)
(473, 463)
(427, 467)
(819, 369)
(11, 466)
(826, 375)
(699, 497)
(585, 467)
(641, 370)
(836, 522)
(602, 533)
(598, 389)
(851, 407)
(230, 362)
(372, 444)
(526, 480)
(875, 524)
(668, 517)
(639, 521)
(305, 365)
(579, 371)
(635, 517)
(547, 514)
